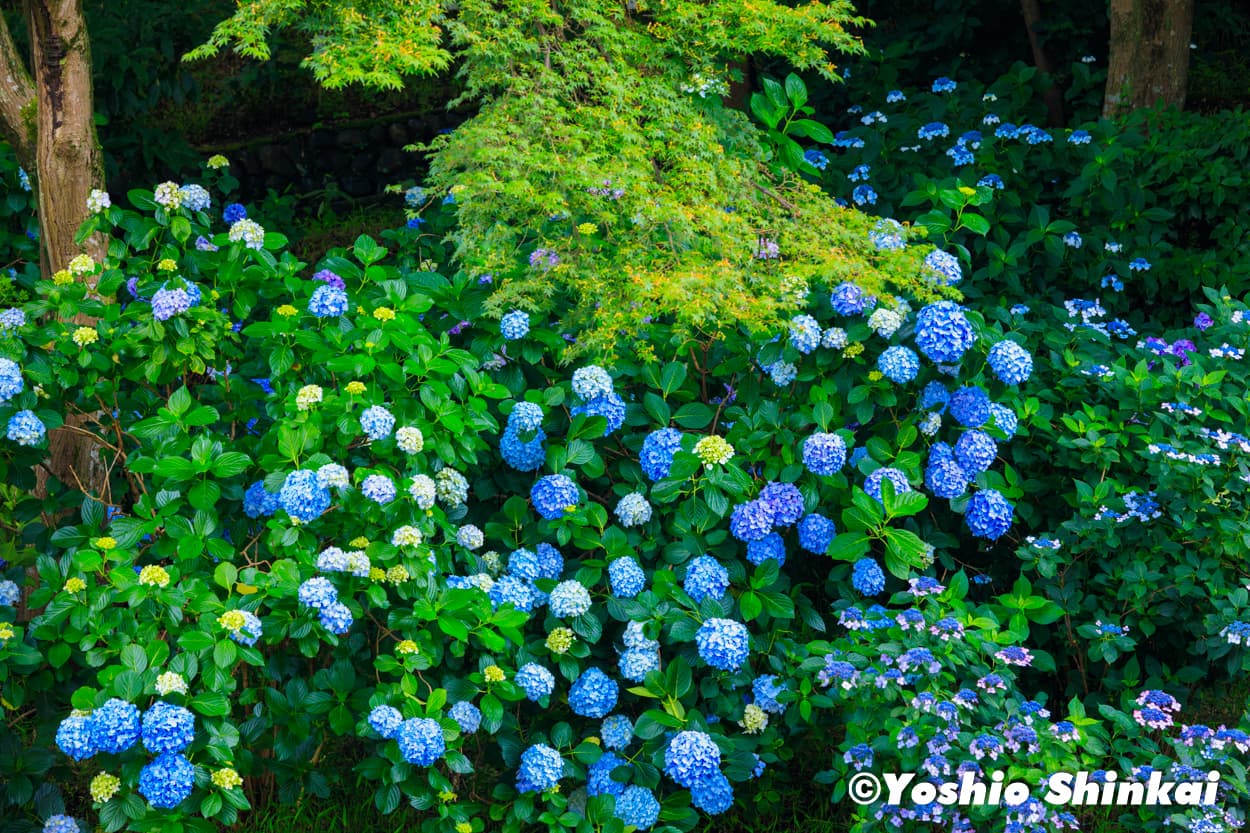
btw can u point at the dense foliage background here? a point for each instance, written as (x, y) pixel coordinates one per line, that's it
(583, 494)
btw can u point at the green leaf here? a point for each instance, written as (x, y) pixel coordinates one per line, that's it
(975, 223)
(849, 546)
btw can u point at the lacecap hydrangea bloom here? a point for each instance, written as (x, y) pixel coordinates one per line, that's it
(554, 495)
(421, 741)
(593, 694)
(723, 643)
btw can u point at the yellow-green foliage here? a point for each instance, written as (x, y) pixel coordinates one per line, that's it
(589, 94)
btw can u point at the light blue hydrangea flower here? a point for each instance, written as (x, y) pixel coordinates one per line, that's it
(943, 333)
(867, 577)
(377, 422)
(421, 741)
(540, 770)
(523, 455)
(633, 510)
(515, 325)
(899, 364)
(385, 720)
(705, 578)
(872, 483)
(723, 643)
(26, 429)
(466, 715)
(975, 451)
(691, 758)
(970, 406)
(554, 495)
(303, 497)
(537, 682)
(816, 533)
(526, 416)
(591, 382)
(1010, 362)
(765, 689)
(626, 578)
(318, 592)
(751, 521)
(73, 737)
(988, 514)
(328, 302)
(60, 824)
(824, 454)
(616, 731)
(637, 806)
(569, 599)
(657, 453)
(784, 501)
(770, 546)
(805, 333)
(336, 618)
(114, 726)
(378, 488)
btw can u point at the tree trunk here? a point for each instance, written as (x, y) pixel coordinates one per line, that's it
(1031, 9)
(49, 117)
(1149, 59)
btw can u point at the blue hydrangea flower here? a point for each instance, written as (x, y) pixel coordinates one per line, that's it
(421, 741)
(616, 731)
(770, 546)
(1010, 362)
(166, 303)
(934, 395)
(636, 663)
(975, 451)
(751, 521)
(327, 302)
(467, 716)
(569, 599)
(303, 497)
(723, 643)
(594, 694)
(523, 455)
(867, 577)
(872, 483)
(637, 806)
(9, 591)
(599, 779)
(626, 578)
(945, 478)
(781, 373)
(933, 130)
(526, 416)
(633, 510)
(540, 770)
(945, 265)
(167, 728)
(943, 333)
(705, 578)
(899, 364)
(864, 195)
(510, 589)
(824, 454)
(515, 325)
(610, 406)
(816, 533)
(233, 213)
(554, 495)
(550, 562)
(691, 758)
(713, 796)
(816, 159)
(257, 502)
(970, 406)
(114, 726)
(657, 453)
(167, 781)
(988, 514)
(591, 382)
(764, 690)
(60, 824)
(537, 682)
(784, 500)
(991, 181)
(849, 299)
(26, 429)
(251, 630)
(377, 422)
(336, 618)
(378, 488)
(1005, 419)
(73, 737)
(385, 720)
(318, 592)
(805, 333)
(523, 564)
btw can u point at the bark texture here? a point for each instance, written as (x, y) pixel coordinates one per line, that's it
(1149, 59)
